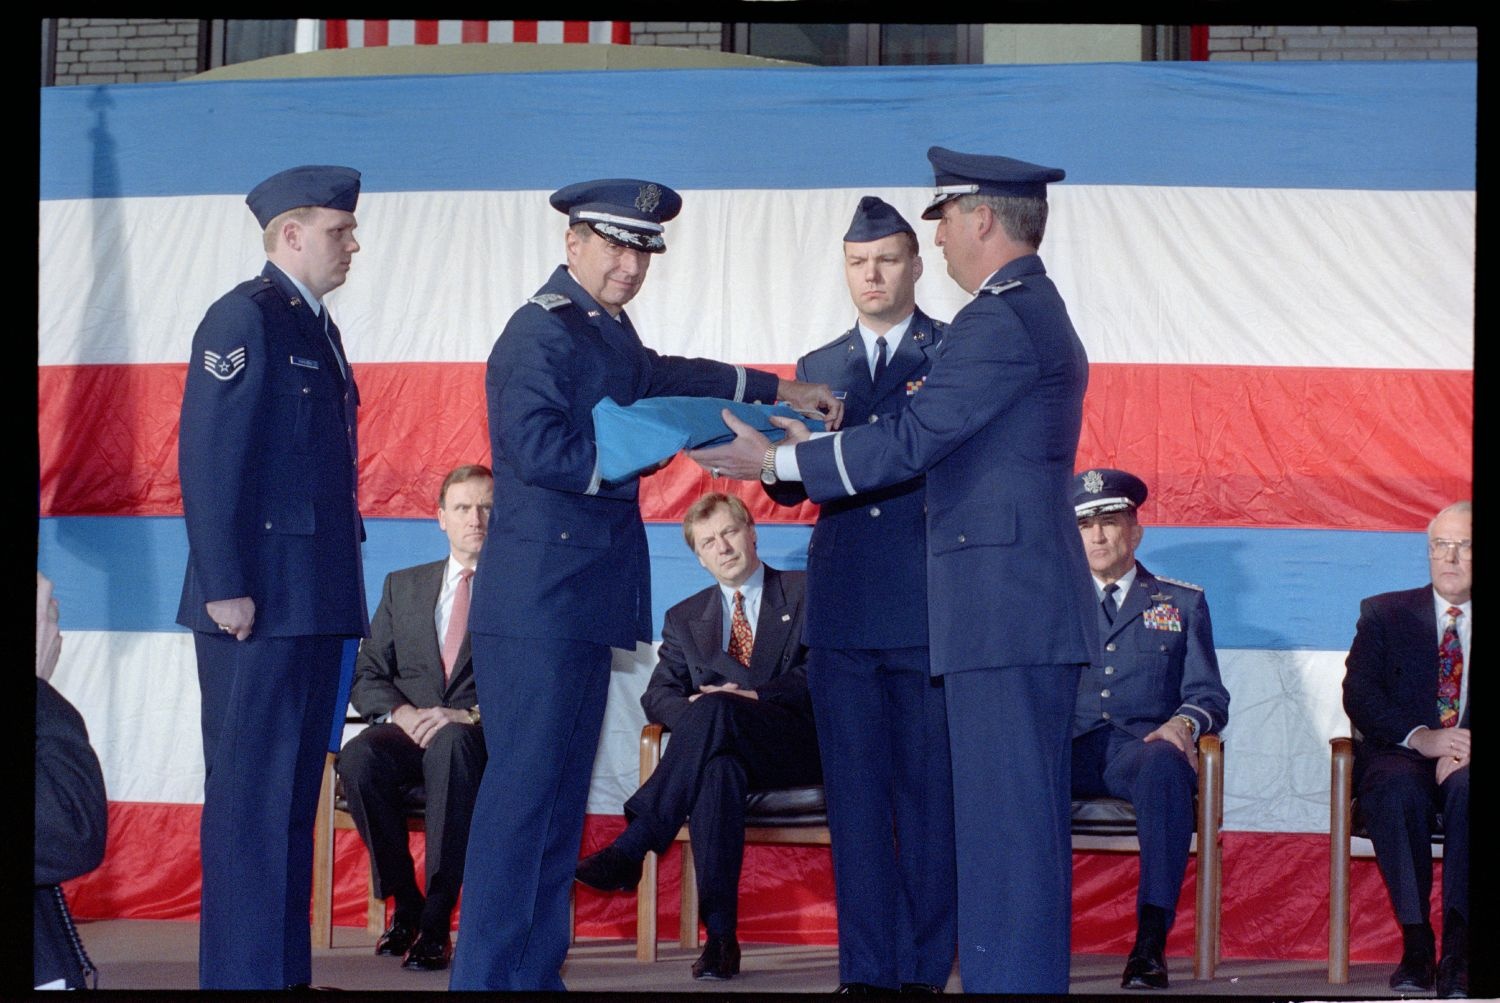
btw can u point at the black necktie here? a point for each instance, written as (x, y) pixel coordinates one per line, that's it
(1108, 602)
(879, 359)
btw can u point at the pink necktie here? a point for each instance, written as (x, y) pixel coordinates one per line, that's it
(1450, 670)
(458, 623)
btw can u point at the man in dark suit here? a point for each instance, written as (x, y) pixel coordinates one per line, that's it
(1153, 687)
(995, 429)
(566, 575)
(274, 584)
(731, 685)
(1407, 694)
(414, 681)
(881, 721)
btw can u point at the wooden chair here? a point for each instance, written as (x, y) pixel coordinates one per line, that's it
(333, 813)
(794, 816)
(1109, 824)
(1347, 837)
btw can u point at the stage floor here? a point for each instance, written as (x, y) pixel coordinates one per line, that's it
(162, 955)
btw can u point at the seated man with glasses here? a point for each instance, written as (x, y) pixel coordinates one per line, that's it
(1407, 695)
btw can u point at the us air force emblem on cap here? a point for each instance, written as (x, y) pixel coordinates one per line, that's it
(648, 198)
(1093, 482)
(226, 366)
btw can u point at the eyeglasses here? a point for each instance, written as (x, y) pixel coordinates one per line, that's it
(1442, 548)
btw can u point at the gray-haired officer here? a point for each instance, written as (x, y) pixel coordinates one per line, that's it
(565, 575)
(1153, 688)
(274, 584)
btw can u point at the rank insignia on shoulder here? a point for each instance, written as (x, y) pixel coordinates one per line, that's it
(591, 313)
(550, 301)
(1001, 287)
(1163, 616)
(912, 386)
(1174, 581)
(226, 366)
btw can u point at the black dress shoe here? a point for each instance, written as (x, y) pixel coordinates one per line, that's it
(720, 959)
(1146, 968)
(610, 870)
(397, 938)
(1415, 974)
(1453, 977)
(916, 988)
(430, 953)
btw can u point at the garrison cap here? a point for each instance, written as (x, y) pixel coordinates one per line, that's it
(623, 211)
(875, 218)
(1102, 490)
(310, 185)
(957, 174)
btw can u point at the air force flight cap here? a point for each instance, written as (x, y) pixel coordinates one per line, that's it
(310, 185)
(957, 174)
(623, 211)
(875, 218)
(1102, 490)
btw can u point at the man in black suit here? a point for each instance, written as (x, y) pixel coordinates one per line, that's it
(414, 681)
(1407, 694)
(735, 698)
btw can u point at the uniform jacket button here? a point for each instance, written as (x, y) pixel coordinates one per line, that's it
(875, 511)
(873, 419)
(268, 523)
(1105, 715)
(962, 538)
(563, 535)
(1110, 646)
(1109, 670)
(1104, 694)
(307, 390)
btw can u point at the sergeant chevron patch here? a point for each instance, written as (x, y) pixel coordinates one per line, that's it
(224, 367)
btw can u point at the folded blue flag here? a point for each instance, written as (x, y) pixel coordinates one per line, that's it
(631, 439)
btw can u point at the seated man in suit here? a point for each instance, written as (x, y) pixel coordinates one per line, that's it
(731, 684)
(1407, 696)
(1153, 687)
(414, 681)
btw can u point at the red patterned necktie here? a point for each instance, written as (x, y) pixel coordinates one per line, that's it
(458, 623)
(740, 638)
(1450, 670)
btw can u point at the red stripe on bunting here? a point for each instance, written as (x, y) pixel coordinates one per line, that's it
(377, 33)
(523, 31)
(476, 31)
(151, 870)
(619, 32)
(425, 32)
(575, 31)
(1219, 445)
(336, 34)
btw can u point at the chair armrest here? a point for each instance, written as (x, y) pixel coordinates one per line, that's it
(1211, 783)
(1340, 788)
(650, 749)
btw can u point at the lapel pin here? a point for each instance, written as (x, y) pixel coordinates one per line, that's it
(785, 617)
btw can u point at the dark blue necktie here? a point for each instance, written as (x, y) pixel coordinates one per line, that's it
(1108, 602)
(879, 360)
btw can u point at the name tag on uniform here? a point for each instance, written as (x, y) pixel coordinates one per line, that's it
(305, 363)
(839, 395)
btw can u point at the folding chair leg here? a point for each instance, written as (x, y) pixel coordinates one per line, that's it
(687, 926)
(645, 910)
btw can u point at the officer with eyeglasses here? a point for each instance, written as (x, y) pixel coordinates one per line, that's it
(1407, 694)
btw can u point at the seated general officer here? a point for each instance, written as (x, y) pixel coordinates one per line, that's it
(1152, 689)
(735, 698)
(881, 720)
(414, 678)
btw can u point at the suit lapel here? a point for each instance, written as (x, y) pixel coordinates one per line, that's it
(772, 628)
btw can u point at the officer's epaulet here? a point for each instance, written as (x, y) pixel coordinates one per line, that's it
(550, 301)
(838, 341)
(1001, 287)
(1173, 581)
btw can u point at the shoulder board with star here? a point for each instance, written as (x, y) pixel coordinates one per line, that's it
(550, 301)
(1001, 287)
(1174, 581)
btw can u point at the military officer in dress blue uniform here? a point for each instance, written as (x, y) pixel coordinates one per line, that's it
(882, 724)
(274, 584)
(565, 575)
(1152, 689)
(995, 429)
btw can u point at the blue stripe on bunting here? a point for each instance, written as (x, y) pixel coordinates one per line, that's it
(1271, 588)
(1383, 126)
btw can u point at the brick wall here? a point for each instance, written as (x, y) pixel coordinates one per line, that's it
(682, 34)
(101, 50)
(1260, 42)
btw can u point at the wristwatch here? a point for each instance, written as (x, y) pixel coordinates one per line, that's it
(768, 466)
(1192, 726)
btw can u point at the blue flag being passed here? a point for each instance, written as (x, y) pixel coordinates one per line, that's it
(631, 439)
